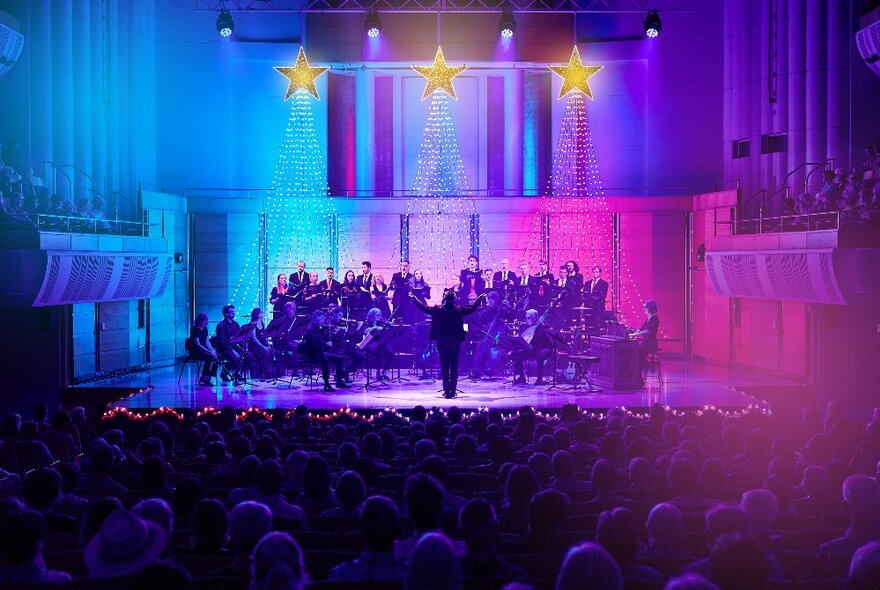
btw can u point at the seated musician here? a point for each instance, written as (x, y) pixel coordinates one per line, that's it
(488, 328)
(279, 295)
(199, 347)
(318, 349)
(312, 296)
(341, 338)
(375, 327)
(331, 287)
(286, 328)
(596, 290)
(647, 334)
(535, 343)
(226, 330)
(259, 358)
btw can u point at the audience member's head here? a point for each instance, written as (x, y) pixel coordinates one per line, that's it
(316, 479)
(519, 487)
(350, 490)
(155, 510)
(861, 495)
(209, 522)
(478, 526)
(761, 508)
(546, 512)
(277, 563)
(690, 581)
(40, 489)
(424, 501)
(665, 525)
(124, 545)
(618, 532)
(380, 524)
(737, 562)
(22, 538)
(248, 523)
(589, 566)
(864, 569)
(94, 518)
(433, 565)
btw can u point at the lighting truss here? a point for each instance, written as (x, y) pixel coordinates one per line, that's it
(434, 6)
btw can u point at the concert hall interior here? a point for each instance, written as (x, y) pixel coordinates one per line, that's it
(599, 230)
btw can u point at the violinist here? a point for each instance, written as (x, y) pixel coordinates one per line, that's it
(285, 329)
(317, 349)
(374, 344)
(489, 326)
(258, 354)
(341, 333)
(536, 344)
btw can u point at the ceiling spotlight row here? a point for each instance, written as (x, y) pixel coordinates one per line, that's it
(373, 24)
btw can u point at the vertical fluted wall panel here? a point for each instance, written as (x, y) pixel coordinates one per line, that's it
(81, 97)
(62, 90)
(817, 79)
(797, 83)
(839, 40)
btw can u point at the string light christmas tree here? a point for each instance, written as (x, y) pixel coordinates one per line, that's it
(298, 212)
(439, 209)
(581, 222)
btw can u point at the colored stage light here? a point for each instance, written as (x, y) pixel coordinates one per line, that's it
(653, 24)
(225, 26)
(372, 24)
(507, 24)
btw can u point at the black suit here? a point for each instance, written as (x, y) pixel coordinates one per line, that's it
(505, 286)
(401, 286)
(471, 281)
(364, 297)
(317, 352)
(539, 349)
(447, 328)
(332, 290)
(595, 294)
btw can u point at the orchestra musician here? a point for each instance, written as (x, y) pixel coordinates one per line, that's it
(279, 295)
(286, 329)
(647, 334)
(318, 349)
(380, 295)
(349, 293)
(373, 331)
(258, 354)
(505, 279)
(489, 327)
(341, 335)
(401, 282)
(331, 287)
(312, 294)
(469, 280)
(535, 343)
(199, 347)
(596, 290)
(447, 329)
(364, 283)
(225, 331)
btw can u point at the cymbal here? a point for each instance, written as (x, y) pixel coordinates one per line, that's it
(582, 308)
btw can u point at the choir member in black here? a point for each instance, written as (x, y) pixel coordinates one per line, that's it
(380, 295)
(489, 281)
(536, 344)
(280, 295)
(349, 293)
(199, 347)
(543, 281)
(378, 351)
(331, 288)
(505, 279)
(341, 340)
(400, 286)
(469, 280)
(259, 358)
(365, 289)
(225, 331)
(312, 295)
(574, 275)
(489, 328)
(569, 293)
(318, 349)
(300, 278)
(647, 334)
(447, 329)
(596, 290)
(524, 289)
(422, 291)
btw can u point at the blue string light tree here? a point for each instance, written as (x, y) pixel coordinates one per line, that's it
(581, 222)
(299, 214)
(439, 209)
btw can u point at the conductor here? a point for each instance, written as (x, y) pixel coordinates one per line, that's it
(447, 328)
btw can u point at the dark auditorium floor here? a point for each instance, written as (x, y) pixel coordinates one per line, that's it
(687, 383)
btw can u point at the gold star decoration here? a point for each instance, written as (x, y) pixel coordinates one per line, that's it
(439, 76)
(302, 76)
(575, 76)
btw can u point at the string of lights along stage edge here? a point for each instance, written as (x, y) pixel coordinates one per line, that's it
(299, 211)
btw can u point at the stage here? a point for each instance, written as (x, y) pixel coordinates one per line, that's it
(687, 384)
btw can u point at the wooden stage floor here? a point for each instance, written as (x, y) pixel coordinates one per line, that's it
(687, 384)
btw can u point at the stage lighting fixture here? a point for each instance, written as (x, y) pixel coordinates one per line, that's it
(372, 24)
(507, 24)
(653, 24)
(225, 26)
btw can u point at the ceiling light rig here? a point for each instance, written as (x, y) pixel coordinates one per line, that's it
(653, 24)
(225, 24)
(372, 24)
(507, 24)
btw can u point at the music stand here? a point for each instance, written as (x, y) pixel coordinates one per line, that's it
(243, 338)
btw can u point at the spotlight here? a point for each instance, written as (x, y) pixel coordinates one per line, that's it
(653, 24)
(225, 26)
(372, 24)
(507, 24)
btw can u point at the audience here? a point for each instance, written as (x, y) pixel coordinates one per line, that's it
(199, 498)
